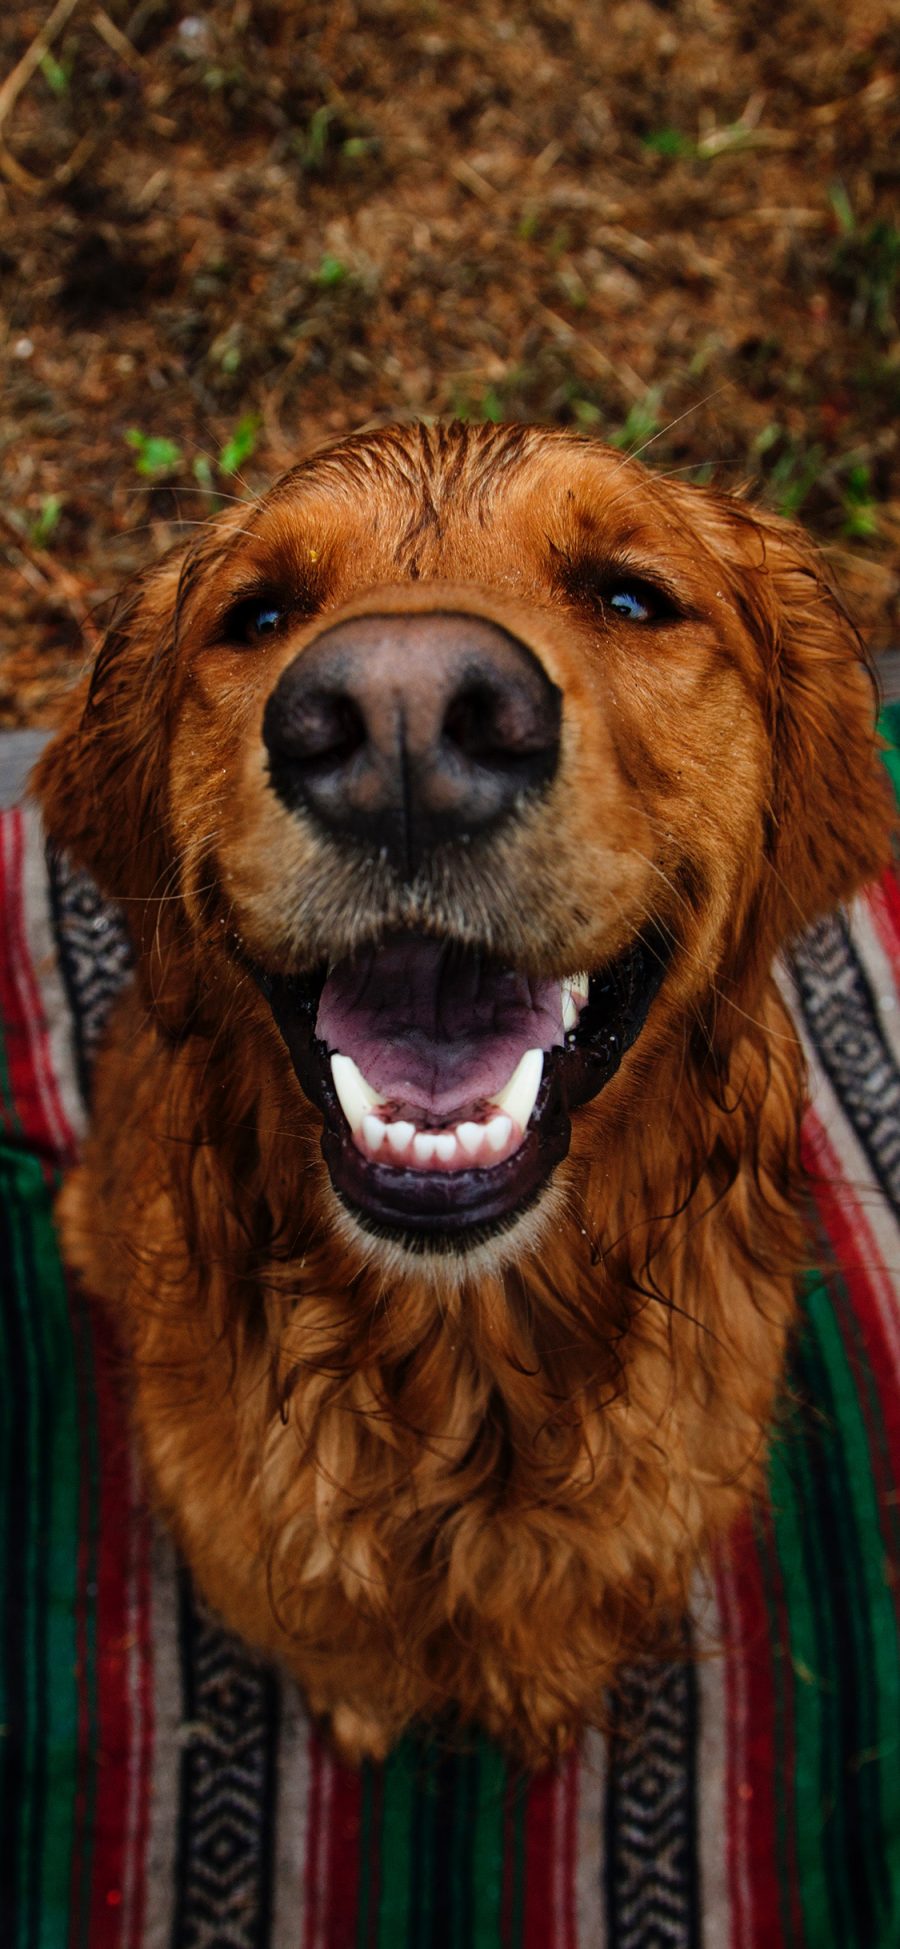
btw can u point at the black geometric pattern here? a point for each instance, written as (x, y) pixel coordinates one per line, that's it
(227, 1798)
(841, 1016)
(651, 1839)
(95, 956)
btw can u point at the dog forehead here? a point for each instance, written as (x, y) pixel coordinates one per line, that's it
(439, 514)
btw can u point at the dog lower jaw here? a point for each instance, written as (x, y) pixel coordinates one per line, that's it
(439, 1259)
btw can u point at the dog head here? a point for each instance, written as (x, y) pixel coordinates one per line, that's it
(482, 770)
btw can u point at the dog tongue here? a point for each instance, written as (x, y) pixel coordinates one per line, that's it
(435, 1025)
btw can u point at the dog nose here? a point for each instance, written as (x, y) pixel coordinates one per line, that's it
(406, 732)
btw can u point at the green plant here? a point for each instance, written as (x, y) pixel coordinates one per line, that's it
(239, 446)
(57, 74)
(793, 468)
(585, 413)
(155, 455)
(43, 526)
(641, 424)
(859, 504)
(865, 265)
(670, 143)
(331, 271)
(313, 142)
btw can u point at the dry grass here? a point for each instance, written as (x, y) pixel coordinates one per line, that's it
(243, 230)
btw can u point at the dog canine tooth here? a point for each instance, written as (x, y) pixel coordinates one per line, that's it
(399, 1136)
(569, 1012)
(498, 1132)
(518, 1097)
(355, 1096)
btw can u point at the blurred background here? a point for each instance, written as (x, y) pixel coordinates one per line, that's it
(230, 233)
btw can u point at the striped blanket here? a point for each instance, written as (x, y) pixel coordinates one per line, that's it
(162, 1790)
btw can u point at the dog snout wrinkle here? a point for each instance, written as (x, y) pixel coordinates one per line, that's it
(405, 733)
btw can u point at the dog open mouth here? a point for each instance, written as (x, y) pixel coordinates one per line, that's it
(446, 1079)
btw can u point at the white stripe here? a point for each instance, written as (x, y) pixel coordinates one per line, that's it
(712, 1764)
(291, 1822)
(168, 1714)
(54, 1060)
(590, 1852)
(876, 1229)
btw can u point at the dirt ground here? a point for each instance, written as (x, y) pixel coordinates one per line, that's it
(228, 234)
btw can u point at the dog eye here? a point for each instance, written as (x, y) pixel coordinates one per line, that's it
(613, 589)
(255, 619)
(637, 601)
(627, 603)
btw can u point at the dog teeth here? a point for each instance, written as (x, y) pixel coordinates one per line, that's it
(518, 1097)
(399, 1142)
(355, 1096)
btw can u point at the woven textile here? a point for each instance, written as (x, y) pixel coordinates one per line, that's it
(163, 1790)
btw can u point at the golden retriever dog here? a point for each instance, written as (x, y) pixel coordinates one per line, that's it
(443, 1176)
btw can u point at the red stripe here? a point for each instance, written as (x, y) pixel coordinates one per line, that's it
(144, 1657)
(884, 905)
(751, 1816)
(85, 1750)
(375, 1856)
(116, 1730)
(538, 1931)
(29, 1121)
(42, 1121)
(568, 1923)
(343, 1858)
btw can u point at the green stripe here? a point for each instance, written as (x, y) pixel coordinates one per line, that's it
(486, 1856)
(400, 1785)
(875, 1758)
(48, 1710)
(813, 1681)
(889, 727)
(422, 1784)
(84, 1407)
(847, 1696)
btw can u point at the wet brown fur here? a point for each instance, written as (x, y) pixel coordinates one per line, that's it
(471, 1483)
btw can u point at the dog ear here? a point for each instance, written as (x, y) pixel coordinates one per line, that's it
(829, 815)
(102, 781)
